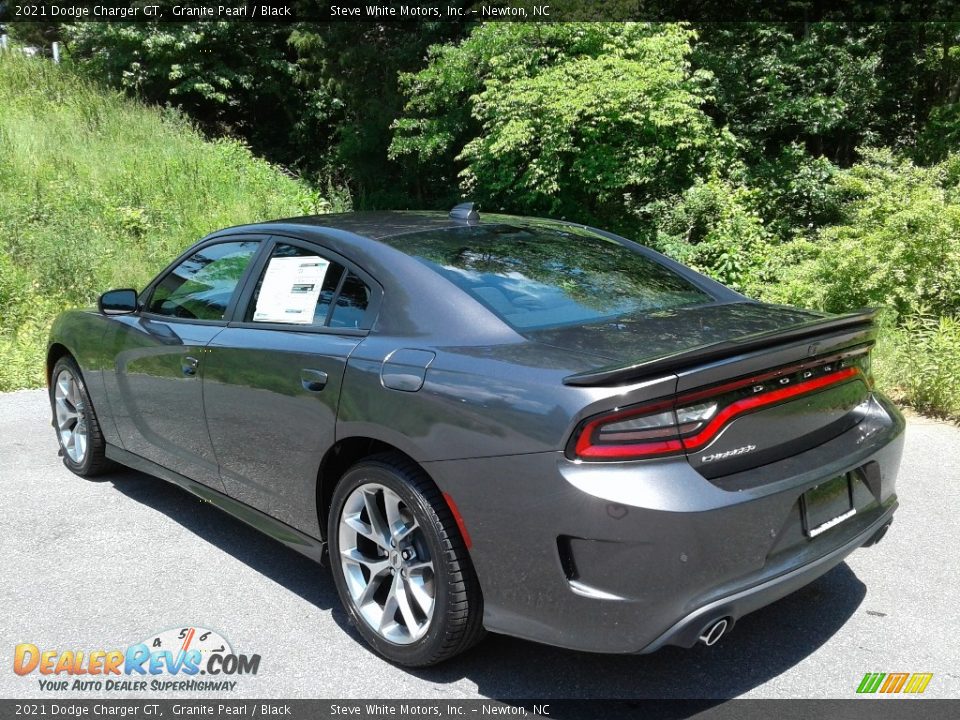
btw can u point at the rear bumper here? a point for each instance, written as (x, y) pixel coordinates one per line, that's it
(628, 557)
(687, 631)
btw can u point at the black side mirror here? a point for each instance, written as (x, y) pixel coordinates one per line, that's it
(118, 302)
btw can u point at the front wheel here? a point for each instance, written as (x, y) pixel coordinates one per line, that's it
(81, 443)
(400, 565)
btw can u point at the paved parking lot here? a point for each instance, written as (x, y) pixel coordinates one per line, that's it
(101, 565)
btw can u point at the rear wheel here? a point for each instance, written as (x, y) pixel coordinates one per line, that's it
(400, 564)
(78, 431)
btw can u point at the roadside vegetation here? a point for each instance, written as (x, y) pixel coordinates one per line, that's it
(815, 164)
(99, 191)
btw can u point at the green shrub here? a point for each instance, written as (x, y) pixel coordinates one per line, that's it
(897, 244)
(918, 364)
(98, 191)
(795, 192)
(715, 228)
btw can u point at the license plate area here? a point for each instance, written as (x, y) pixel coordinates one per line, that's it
(826, 505)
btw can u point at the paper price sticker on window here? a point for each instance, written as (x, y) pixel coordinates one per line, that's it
(291, 286)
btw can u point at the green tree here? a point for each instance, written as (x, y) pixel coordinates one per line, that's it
(349, 75)
(777, 84)
(835, 86)
(231, 78)
(589, 120)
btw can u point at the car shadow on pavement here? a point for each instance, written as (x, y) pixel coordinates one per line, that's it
(260, 552)
(762, 646)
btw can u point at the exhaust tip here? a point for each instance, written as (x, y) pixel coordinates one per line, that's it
(878, 535)
(713, 632)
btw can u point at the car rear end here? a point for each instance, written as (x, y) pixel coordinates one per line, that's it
(758, 472)
(703, 456)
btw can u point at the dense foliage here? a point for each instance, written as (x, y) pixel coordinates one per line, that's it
(577, 120)
(809, 163)
(231, 78)
(349, 74)
(896, 244)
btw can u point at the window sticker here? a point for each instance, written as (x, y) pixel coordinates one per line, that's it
(290, 288)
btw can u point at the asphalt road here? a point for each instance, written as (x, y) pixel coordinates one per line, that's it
(101, 565)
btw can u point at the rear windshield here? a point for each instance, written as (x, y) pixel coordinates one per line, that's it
(539, 277)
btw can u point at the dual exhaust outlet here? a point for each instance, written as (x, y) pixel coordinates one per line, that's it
(714, 631)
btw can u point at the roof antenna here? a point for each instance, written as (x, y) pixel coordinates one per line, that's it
(465, 211)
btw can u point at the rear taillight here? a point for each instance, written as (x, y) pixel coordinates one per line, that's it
(630, 433)
(692, 420)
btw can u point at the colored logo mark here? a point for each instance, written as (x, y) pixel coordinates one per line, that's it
(894, 683)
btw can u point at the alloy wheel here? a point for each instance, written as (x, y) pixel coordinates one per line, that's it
(386, 564)
(71, 416)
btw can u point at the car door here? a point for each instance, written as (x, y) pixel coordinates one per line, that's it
(159, 352)
(273, 375)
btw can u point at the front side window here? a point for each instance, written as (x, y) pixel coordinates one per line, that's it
(201, 287)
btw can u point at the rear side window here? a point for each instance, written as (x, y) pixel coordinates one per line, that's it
(539, 277)
(201, 287)
(300, 286)
(352, 303)
(296, 287)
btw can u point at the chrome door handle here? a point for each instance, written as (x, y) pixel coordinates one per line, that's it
(189, 366)
(313, 380)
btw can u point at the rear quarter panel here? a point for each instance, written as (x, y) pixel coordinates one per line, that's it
(477, 401)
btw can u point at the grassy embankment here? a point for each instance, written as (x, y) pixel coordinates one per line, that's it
(97, 191)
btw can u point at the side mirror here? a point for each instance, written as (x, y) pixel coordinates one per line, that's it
(118, 302)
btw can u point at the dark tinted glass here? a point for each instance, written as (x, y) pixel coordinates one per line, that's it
(351, 304)
(537, 277)
(201, 286)
(292, 286)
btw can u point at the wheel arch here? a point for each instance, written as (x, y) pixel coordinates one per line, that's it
(342, 455)
(56, 351)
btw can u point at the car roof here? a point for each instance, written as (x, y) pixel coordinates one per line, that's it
(384, 224)
(423, 303)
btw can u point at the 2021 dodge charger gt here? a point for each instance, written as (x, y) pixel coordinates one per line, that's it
(524, 426)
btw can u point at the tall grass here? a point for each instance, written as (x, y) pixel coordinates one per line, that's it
(918, 363)
(98, 191)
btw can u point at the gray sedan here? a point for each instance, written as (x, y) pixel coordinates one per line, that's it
(523, 426)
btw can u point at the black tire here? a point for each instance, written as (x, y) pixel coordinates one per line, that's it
(456, 622)
(94, 461)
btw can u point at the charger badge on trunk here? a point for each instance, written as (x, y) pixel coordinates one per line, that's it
(728, 454)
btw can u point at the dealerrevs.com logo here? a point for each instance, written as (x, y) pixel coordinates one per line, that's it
(185, 659)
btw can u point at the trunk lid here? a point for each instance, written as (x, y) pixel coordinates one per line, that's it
(634, 339)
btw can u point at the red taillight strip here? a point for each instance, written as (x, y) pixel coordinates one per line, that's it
(586, 449)
(626, 451)
(769, 398)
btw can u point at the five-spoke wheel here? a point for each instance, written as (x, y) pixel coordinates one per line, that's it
(400, 564)
(387, 564)
(81, 443)
(70, 415)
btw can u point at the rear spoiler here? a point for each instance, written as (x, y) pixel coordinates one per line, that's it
(613, 374)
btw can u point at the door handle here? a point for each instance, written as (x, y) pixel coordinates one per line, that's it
(313, 380)
(189, 365)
